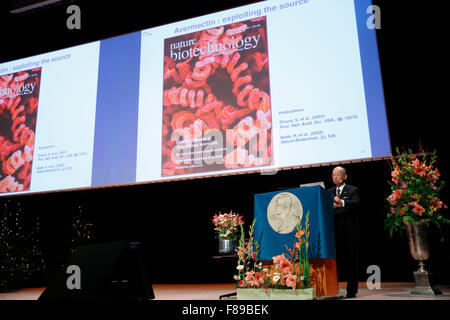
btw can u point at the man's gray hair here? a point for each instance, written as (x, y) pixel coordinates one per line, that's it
(341, 168)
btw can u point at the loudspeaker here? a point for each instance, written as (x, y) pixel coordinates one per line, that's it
(108, 271)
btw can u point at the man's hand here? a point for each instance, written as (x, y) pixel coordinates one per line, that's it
(337, 202)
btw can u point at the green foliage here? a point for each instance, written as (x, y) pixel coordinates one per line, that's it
(247, 252)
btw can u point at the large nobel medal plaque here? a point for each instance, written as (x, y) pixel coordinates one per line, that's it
(284, 211)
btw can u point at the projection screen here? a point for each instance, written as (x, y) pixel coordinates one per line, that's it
(262, 87)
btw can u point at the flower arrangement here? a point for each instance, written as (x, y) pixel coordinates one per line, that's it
(226, 225)
(415, 190)
(289, 271)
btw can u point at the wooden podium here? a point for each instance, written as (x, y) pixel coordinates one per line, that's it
(324, 276)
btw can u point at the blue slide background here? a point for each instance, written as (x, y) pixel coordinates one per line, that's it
(116, 118)
(373, 86)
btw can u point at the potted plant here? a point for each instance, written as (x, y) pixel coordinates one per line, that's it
(287, 278)
(226, 226)
(414, 204)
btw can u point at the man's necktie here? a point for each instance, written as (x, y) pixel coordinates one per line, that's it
(338, 193)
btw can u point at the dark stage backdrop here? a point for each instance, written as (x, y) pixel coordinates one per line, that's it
(173, 219)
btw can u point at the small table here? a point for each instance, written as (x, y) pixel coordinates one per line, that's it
(226, 257)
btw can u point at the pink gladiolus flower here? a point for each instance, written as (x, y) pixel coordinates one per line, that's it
(420, 171)
(258, 279)
(418, 209)
(415, 163)
(414, 203)
(278, 259)
(285, 266)
(397, 194)
(250, 276)
(291, 281)
(434, 175)
(394, 175)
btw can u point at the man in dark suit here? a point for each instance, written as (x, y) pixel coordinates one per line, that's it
(346, 226)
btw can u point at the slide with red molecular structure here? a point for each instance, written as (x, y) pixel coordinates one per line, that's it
(216, 100)
(19, 97)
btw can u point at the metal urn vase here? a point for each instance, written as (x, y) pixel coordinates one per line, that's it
(417, 233)
(227, 246)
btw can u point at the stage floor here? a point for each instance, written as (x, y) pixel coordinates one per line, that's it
(388, 291)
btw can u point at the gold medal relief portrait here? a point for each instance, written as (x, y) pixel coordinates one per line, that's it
(284, 211)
